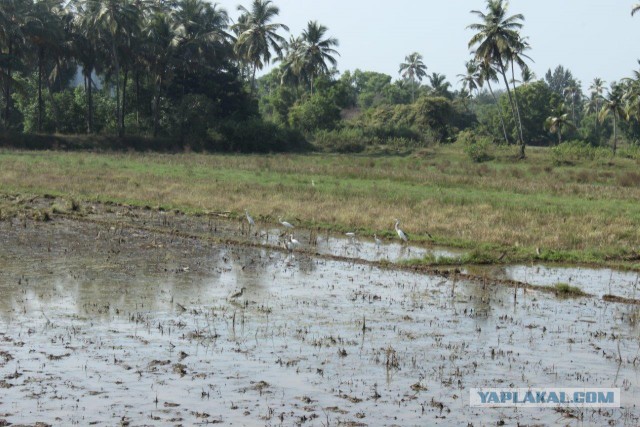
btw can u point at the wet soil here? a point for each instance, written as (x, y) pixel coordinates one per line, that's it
(112, 315)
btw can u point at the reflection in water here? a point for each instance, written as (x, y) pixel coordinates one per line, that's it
(594, 281)
(139, 328)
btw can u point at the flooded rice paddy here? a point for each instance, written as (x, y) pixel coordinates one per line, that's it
(110, 325)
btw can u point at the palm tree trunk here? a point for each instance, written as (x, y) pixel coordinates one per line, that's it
(513, 109)
(515, 99)
(413, 90)
(7, 88)
(54, 107)
(615, 134)
(40, 60)
(253, 78)
(137, 77)
(124, 98)
(117, 65)
(156, 108)
(504, 128)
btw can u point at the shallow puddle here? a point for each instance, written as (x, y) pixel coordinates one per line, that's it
(102, 325)
(594, 281)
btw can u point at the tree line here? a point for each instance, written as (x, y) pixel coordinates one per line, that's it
(185, 70)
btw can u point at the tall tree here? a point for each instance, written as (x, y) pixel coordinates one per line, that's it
(14, 14)
(613, 104)
(258, 36)
(558, 121)
(497, 38)
(116, 21)
(317, 50)
(439, 85)
(471, 79)
(413, 68)
(46, 35)
(596, 89)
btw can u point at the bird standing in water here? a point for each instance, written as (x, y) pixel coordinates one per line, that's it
(249, 219)
(285, 223)
(399, 231)
(238, 294)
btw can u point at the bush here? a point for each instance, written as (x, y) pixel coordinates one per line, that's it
(346, 140)
(317, 112)
(630, 152)
(571, 152)
(255, 136)
(479, 148)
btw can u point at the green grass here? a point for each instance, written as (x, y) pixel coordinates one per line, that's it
(503, 209)
(565, 290)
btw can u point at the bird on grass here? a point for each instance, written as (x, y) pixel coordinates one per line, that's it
(400, 232)
(285, 223)
(249, 219)
(237, 294)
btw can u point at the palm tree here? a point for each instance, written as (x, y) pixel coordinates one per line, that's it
(84, 48)
(439, 84)
(597, 89)
(471, 79)
(116, 21)
(159, 42)
(45, 34)
(613, 104)
(496, 42)
(557, 121)
(413, 68)
(257, 36)
(527, 76)
(13, 16)
(634, 9)
(316, 50)
(571, 93)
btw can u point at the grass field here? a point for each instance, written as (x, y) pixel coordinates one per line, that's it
(503, 209)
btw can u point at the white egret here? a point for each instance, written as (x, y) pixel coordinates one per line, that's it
(294, 242)
(285, 223)
(351, 235)
(377, 240)
(399, 231)
(249, 219)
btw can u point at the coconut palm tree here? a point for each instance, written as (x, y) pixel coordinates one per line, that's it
(613, 104)
(316, 51)
(116, 22)
(14, 14)
(597, 89)
(413, 68)
(527, 76)
(257, 35)
(439, 84)
(84, 48)
(496, 41)
(571, 93)
(471, 79)
(558, 121)
(159, 50)
(45, 33)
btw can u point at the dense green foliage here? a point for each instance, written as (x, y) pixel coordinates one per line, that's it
(186, 71)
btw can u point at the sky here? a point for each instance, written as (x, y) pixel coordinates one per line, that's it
(592, 38)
